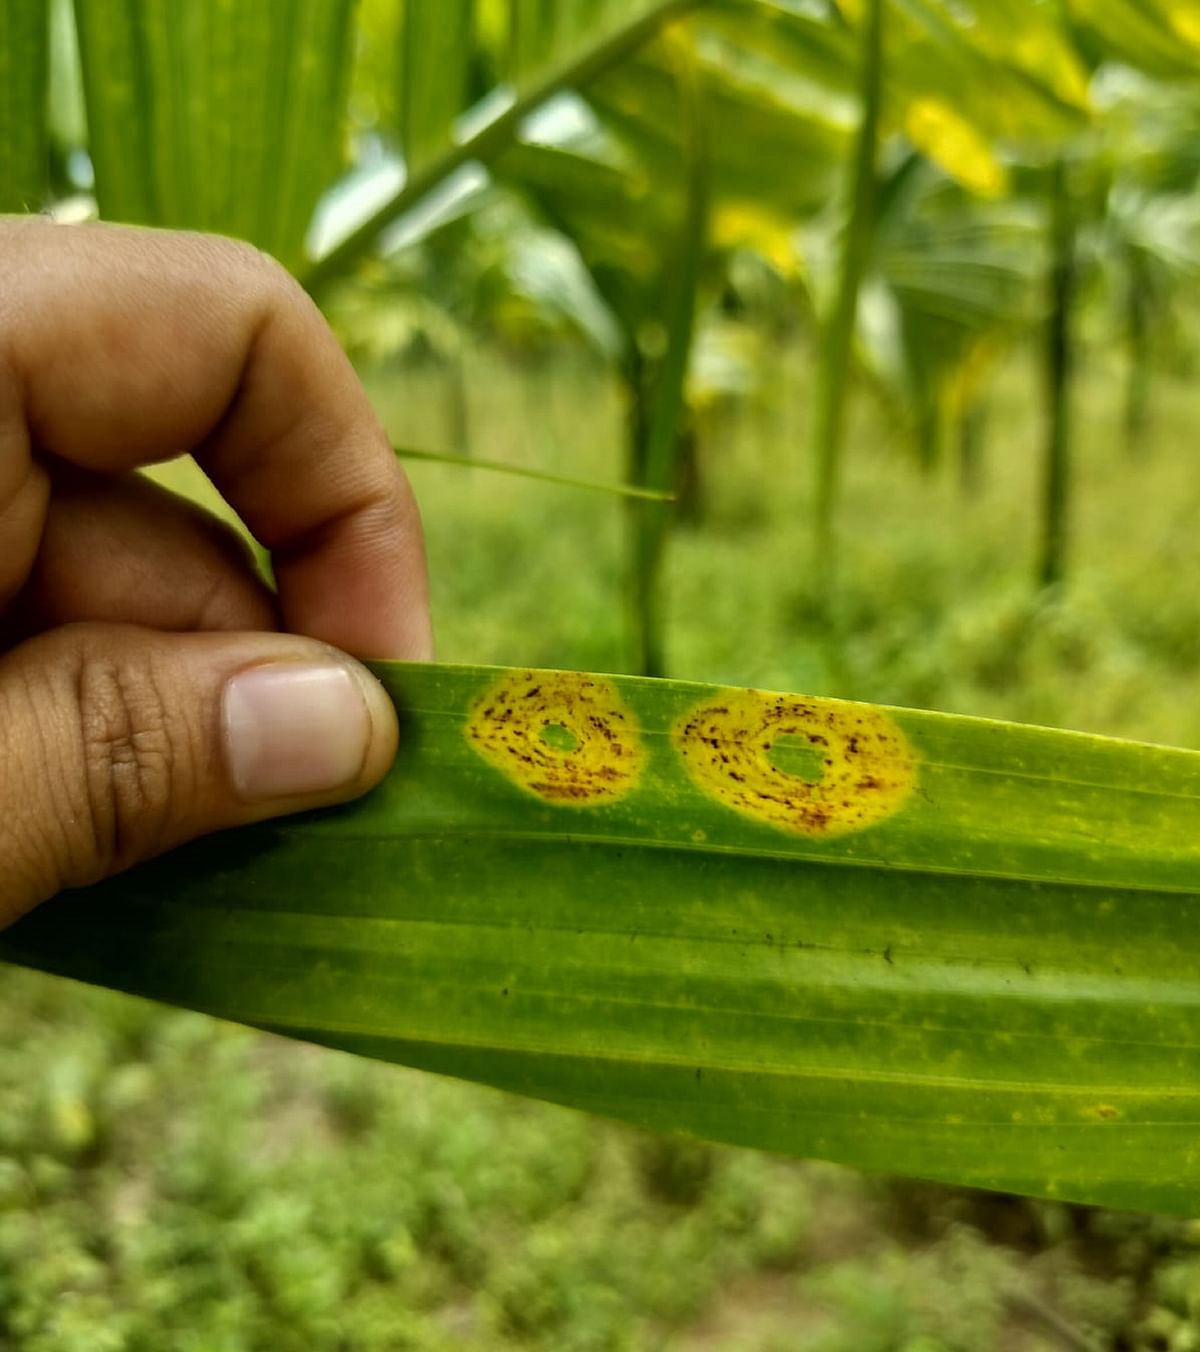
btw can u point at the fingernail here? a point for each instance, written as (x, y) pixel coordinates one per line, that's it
(293, 729)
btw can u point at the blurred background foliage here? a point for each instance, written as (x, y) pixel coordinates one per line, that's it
(898, 297)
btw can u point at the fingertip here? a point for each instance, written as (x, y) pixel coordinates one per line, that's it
(306, 733)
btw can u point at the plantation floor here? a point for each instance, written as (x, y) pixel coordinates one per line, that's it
(170, 1183)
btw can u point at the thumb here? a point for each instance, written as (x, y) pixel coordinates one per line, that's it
(117, 743)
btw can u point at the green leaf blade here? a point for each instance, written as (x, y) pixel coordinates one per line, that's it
(600, 38)
(219, 116)
(434, 77)
(993, 985)
(24, 145)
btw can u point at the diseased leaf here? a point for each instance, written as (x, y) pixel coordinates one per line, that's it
(906, 941)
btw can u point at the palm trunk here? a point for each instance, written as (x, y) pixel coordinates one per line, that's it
(658, 389)
(1058, 372)
(691, 484)
(642, 570)
(972, 426)
(1137, 342)
(458, 415)
(930, 437)
(837, 336)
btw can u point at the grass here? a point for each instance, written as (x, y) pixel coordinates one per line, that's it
(169, 1182)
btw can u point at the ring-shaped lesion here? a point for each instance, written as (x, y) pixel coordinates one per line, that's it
(565, 737)
(866, 767)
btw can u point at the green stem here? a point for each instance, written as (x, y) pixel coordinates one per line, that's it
(837, 336)
(658, 428)
(1058, 372)
(486, 143)
(642, 619)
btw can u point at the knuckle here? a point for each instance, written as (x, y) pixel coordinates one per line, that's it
(133, 759)
(255, 272)
(263, 267)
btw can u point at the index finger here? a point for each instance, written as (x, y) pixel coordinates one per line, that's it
(120, 347)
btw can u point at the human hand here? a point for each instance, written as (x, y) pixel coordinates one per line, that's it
(148, 690)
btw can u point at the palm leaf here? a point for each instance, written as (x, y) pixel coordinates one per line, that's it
(954, 281)
(549, 48)
(24, 150)
(769, 146)
(435, 86)
(1161, 37)
(602, 202)
(214, 116)
(944, 947)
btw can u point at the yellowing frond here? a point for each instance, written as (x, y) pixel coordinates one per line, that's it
(954, 144)
(743, 225)
(1184, 18)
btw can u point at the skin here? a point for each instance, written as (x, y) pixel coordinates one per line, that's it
(124, 610)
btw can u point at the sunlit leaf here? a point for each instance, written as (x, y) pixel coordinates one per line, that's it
(617, 191)
(607, 209)
(545, 49)
(765, 149)
(1025, 45)
(1184, 18)
(954, 282)
(950, 140)
(544, 33)
(1158, 36)
(763, 230)
(415, 65)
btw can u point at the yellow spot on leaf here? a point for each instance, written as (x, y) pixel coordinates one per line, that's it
(864, 766)
(563, 736)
